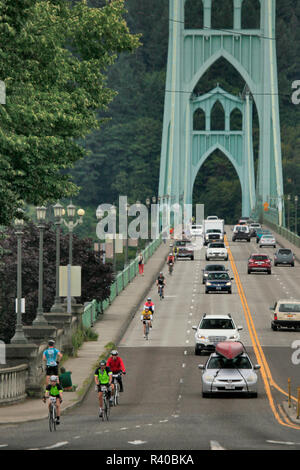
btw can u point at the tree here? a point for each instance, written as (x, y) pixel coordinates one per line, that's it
(54, 59)
(96, 277)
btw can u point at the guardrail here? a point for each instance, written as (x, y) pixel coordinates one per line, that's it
(284, 232)
(12, 384)
(94, 309)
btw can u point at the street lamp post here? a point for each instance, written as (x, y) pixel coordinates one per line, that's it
(58, 214)
(148, 204)
(41, 217)
(296, 204)
(99, 215)
(19, 336)
(126, 245)
(71, 224)
(289, 200)
(114, 213)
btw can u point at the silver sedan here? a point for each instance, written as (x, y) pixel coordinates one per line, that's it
(221, 375)
(267, 240)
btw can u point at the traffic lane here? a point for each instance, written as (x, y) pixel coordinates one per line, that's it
(170, 317)
(261, 292)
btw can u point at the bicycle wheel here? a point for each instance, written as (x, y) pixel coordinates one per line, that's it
(116, 394)
(52, 418)
(106, 408)
(147, 330)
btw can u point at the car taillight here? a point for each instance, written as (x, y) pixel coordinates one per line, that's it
(275, 316)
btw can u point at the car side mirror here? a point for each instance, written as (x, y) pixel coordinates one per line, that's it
(201, 366)
(232, 278)
(271, 308)
(194, 328)
(239, 328)
(256, 367)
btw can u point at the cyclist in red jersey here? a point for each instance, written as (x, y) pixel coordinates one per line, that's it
(116, 365)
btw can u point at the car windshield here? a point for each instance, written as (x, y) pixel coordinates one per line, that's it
(255, 225)
(217, 245)
(289, 307)
(217, 324)
(240, 362)
(267, 236)
(215, 267)
(218, 277)
(213, 230)
(196, 227)
(181, 243)
(284, 252)
(259, 257)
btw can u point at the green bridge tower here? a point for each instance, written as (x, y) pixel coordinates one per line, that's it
(184, 148)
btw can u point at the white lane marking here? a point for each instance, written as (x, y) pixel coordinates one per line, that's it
(185, 353)
(3, 445)
(137, 442)
(183, 365)
(181, 381)
(55, 446)
(284, 443)
(123, 429)
(164, 420)
(187, 341)
(214, 445)
(76, 437)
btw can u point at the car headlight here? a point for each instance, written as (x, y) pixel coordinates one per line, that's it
(208, 283)
(251, 378)
(228, 283)
(202, 337)
(234, 337)
(209, 378)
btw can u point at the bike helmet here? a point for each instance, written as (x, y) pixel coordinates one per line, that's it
(114, 353)
(51, 342)
(102, 363)
(149, 299)
(53, 378)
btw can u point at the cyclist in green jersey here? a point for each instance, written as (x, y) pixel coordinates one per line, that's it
(54, 389)
(103, 377)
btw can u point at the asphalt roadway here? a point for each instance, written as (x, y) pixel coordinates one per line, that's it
(162, 407)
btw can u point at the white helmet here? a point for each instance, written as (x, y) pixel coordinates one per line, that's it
(53, 378)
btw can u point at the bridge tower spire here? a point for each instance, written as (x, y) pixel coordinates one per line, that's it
(252, 53)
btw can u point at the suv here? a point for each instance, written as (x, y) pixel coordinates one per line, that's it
(241, 232)
(286, 314)
(185, 249)
(213, 329)
(257, 262)
(253, 228)
(284, 256)
(216, 250)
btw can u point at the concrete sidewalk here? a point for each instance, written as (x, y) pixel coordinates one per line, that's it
(110, 328)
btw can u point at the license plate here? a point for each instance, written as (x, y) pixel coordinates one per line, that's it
(218, 288)
(229, 387)
(290, 316)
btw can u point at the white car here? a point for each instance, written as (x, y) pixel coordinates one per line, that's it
(216, 250)
(212, 217)
(267, 240)
(214, 329)
(196, 230)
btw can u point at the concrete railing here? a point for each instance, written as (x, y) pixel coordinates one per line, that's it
(284, 232)
(12, 384)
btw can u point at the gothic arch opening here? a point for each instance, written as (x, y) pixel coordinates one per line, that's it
(217, 117)
(199, 120)
(222, 14)
(218, 187)
(193, 14)
(251, 14)
(236, 120)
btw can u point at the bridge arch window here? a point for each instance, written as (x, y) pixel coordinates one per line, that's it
(251, 14)
(217, 117)
(193, 14)
(222, 14)
(199, 120)
(236, 120)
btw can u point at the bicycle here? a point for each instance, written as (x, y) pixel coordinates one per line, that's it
(106, 405)
(147, 329)
(160, 291)
(170, 268)
(116, 388)
(52, 414)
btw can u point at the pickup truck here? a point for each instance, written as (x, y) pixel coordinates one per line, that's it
(241, 232)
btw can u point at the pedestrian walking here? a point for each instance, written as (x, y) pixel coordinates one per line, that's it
(141, 263)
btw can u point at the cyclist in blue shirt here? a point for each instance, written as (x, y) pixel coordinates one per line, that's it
(51, 357)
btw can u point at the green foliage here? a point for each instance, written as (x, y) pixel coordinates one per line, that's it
(80, 336)
(54, 59)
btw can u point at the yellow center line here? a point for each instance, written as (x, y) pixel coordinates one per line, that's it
(260, 356)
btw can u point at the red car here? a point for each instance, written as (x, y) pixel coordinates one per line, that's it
(259, 262)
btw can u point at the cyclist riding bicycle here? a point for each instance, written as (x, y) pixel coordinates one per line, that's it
(54, 389)
(170, 261)
(150, 304)
(103, 377)
(51, 357)
(146, 316)
(116, 365)
(160, 281)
